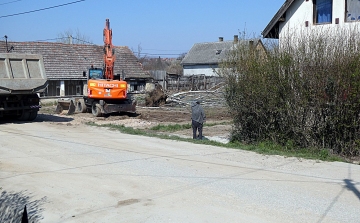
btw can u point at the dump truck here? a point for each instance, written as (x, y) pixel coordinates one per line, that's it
(22, 78)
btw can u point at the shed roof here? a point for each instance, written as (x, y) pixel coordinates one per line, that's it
(68, 61)
(272, 29)
(207, 53)
(212, 52)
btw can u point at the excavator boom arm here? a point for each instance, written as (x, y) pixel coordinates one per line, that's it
(109, 55)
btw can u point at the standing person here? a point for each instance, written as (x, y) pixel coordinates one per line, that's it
(198, 118)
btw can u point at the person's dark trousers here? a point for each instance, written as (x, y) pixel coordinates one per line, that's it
(196, 126)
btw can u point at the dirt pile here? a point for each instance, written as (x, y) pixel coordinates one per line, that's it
(156, 97)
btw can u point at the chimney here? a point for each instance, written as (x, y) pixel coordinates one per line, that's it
(236, 38)
(221, 39)
(70, 39)
(251, 44)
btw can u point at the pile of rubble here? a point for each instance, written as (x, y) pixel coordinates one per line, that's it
(213, 97)
(156, 97)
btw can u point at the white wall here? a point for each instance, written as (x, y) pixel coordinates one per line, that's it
(194, 70)
(301, 11)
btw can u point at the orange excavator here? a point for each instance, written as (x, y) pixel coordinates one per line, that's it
(105, 94)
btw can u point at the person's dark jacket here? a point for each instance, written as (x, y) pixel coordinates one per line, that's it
(197, 112)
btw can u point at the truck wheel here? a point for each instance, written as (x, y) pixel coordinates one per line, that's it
(25, 115)
(32, 115)
(95, 109)
(80, 106)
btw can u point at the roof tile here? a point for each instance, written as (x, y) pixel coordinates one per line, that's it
(68, 61)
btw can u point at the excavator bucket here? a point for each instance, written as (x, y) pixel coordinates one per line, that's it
(65, 106)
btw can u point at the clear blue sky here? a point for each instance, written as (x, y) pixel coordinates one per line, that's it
(161, 27)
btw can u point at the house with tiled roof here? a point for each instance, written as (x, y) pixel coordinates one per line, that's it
(65, 65)
(203, 59)
(298, 17)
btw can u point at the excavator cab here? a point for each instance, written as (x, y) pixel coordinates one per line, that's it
(96, 73)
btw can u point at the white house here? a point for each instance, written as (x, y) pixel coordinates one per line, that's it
(313, 16)
(204, 58)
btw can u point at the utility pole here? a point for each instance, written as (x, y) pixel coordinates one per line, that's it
(7, 48)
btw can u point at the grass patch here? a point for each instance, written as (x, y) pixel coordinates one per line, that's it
(170, 128)
(178, 127)
(290, 151)
(217, 123)
(266, 148)
(122, 128)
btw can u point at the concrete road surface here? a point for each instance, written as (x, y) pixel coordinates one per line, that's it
(67, 173)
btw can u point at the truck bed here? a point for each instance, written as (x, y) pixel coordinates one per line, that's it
(22, 73)
(22, 77)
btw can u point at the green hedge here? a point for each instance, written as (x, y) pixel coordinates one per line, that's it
(303, 93)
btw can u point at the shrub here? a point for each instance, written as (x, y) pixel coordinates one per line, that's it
(305, 91)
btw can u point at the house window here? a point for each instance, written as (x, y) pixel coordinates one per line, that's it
(78, 89)
(322, 11)
(57, 93)
(352, 10)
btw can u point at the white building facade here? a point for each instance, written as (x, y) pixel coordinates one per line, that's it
(205, 58)
(207, 70)
(299, 17)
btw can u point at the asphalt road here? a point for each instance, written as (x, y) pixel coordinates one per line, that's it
(79, 173)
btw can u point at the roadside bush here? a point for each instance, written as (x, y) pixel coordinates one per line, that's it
(305, 91)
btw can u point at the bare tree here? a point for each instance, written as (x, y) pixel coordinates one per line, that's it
(137, 53)
(71, 37)
(175, 66)
(157, 63)
(181, 56)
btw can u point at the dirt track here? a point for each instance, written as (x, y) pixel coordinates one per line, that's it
(149, 117)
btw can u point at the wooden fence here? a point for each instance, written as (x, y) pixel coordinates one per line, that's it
(185, 83)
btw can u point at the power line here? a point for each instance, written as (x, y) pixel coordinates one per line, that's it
(32, 41)
(45, 40)
(82, 40)
(5, 3)
(21, 13)
(163, 50)
(59, 38)
(160, 54)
